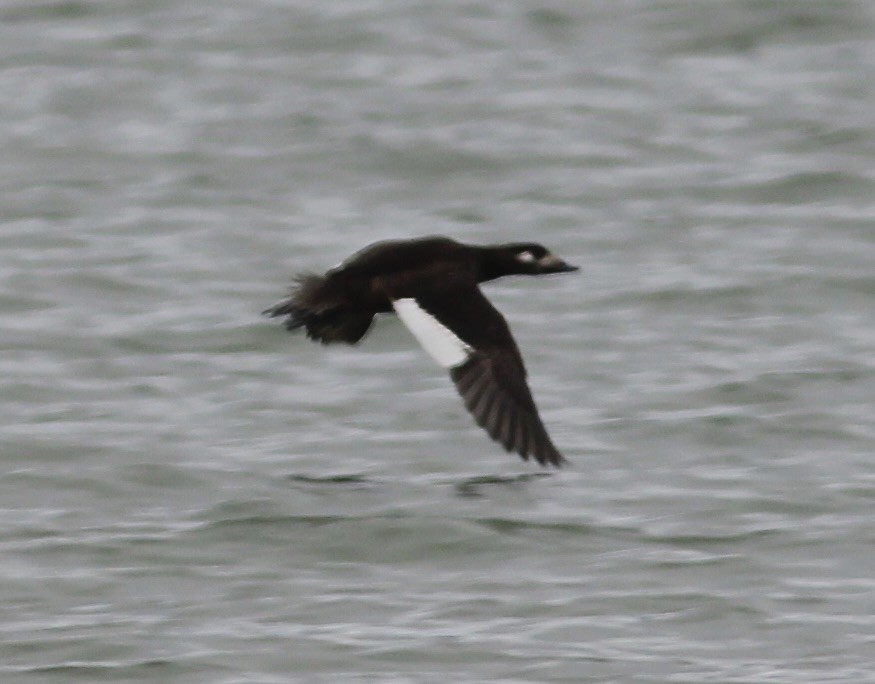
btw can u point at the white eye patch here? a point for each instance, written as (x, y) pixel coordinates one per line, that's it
(526, 257)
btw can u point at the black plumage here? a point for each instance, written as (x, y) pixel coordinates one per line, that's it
(441, 276)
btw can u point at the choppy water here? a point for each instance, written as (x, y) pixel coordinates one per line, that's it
(188, 494)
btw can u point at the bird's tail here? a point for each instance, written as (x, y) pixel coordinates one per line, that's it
(316, 305)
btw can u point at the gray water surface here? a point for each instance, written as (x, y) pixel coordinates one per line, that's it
(189, 494)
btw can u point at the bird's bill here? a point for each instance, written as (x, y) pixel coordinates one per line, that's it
(549, 263)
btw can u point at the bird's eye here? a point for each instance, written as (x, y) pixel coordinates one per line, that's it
(526, 257)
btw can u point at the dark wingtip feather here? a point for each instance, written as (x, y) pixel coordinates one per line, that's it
(517, 428)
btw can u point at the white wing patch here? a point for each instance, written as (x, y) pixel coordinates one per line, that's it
(442, 344)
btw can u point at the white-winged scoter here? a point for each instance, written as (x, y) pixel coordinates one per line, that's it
(431, 283)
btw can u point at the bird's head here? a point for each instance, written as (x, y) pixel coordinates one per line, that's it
(531, 258)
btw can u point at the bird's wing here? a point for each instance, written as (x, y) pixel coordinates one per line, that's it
(464, 333)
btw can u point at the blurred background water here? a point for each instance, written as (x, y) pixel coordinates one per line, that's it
(189, 494)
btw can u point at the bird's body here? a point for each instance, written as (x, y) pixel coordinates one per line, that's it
(432, 284)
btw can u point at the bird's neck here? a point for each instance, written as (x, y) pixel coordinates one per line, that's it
(492, 264)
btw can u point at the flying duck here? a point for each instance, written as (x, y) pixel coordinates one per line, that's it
(432, 284)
